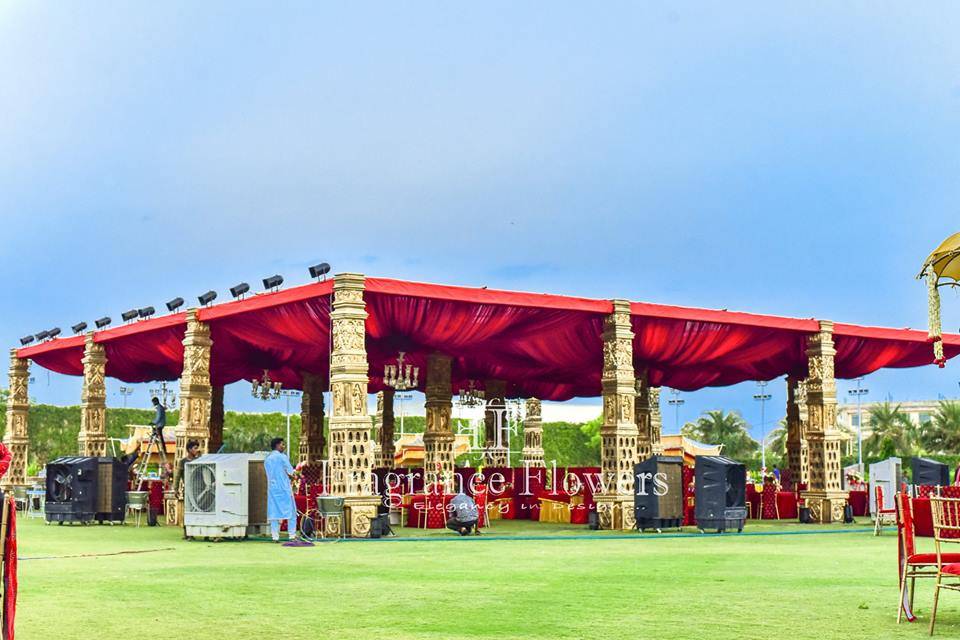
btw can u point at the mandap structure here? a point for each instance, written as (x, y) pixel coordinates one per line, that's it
(338, 335)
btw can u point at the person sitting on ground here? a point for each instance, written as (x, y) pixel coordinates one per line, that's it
(463, 515)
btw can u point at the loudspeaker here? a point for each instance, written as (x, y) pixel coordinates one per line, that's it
(658, 493)
(111, 490)
(930, 472)
(721, 485)
(72, 489)
(593, 521)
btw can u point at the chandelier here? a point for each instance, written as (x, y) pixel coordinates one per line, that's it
(167, 397)
(471, 396)
(395, 376)
(265, 389)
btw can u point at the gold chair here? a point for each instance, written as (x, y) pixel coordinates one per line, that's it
(946, 530)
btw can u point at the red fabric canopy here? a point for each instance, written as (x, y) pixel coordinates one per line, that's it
(543, 346)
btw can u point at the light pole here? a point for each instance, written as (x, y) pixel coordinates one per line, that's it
(859, 392)
(401, 397)
(762, 397)
(125, 392)
(288, 393)
(676, 401)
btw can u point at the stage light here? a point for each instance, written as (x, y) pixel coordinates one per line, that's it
(319, 270)
(240, 289)
(102, 322)
(174, 304)
(146, 312)
(272, 282)
(25, 340)
(130, 315)
(53, 333)
(207, 298)
(40, 336)
(80, 327)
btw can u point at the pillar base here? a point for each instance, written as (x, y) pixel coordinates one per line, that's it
(825, 506)
(615, 512)
(358, 511)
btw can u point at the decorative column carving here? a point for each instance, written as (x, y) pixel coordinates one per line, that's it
(15, 437)
(216, 418)
(796, 443)
(311, 420)
(385, 428)
(618, 434)
(656, 421)
(92, 440)
(351, 448)
(825, 496)
(438, 454)
(533, 434)
(195, 391)
(495, 450)
(644, 417)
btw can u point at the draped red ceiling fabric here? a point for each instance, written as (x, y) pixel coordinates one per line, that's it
(543, 346)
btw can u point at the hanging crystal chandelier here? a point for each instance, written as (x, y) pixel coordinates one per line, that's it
(265, 389)
(471, 396)
(395, 376)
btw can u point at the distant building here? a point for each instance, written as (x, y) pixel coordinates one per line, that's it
(918, 411)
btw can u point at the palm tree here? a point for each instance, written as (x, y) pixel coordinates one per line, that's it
(777, 443)
(942, 433)
(891, 431)
(728, 429)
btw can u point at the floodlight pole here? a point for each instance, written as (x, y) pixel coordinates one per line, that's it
(859, 392)
(762, 397)
(676, 401)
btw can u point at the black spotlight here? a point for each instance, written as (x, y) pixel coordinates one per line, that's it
(272, 282)
(319, 270)
(53, 333)
(146, 312)
(43, 334)
(80, 327)
(174, 304)
(102, 322)
(130, 315)
(239, 290)
(25, 340)
(207, 298)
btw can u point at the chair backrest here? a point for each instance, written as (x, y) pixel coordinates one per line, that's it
(329, 505)
(905, 523)
(946, 521)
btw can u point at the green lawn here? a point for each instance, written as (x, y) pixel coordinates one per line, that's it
(822, 585)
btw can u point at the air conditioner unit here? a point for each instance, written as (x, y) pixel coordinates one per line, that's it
(216, 502)
(225, 496)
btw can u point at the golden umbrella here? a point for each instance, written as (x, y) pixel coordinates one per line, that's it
(941, 268)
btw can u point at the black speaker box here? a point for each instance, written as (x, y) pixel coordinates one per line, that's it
(930, 472)
(658, 493)
(720, 485)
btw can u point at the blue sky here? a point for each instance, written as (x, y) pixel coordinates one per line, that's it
(799, 161)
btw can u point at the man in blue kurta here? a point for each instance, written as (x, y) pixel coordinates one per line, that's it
(280, 504)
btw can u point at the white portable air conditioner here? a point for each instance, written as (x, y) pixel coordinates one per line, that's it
(215, 495)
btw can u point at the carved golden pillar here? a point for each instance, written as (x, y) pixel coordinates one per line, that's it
(15, 437)
(656, 420)
(796, 443)
(351, 448)
(825, 497)
(643, 410)
(438, 454)
(311, 420)
(385, 426)
(92, 440)
(216, 418)
(196, 393)
(618, 434)
(533, 434)
(495, 451)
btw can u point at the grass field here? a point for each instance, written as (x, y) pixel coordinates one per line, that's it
(502, 585)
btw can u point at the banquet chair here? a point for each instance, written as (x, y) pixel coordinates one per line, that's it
(882, 514)
(913, 565)
(946, 530)
(433, 500)
(769, 509)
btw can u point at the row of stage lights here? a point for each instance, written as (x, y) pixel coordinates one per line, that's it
(273, 283)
